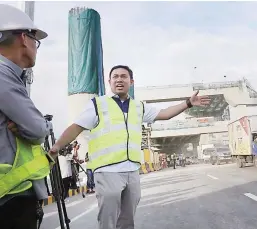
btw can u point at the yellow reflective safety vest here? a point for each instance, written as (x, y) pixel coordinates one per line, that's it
(115, 139)
(30, 163)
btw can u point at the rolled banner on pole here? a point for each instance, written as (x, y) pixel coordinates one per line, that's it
(132, 91)
(85, 65)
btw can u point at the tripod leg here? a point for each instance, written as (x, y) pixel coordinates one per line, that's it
(40, 213)
(47, 148)
(54, 186)
(76, 173)
(56, 180)
(47, 188)
(60, 184)
(89, 178)
(57, 195)
(74, 177)
(55, 177)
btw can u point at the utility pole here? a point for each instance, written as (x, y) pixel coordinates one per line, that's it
(29, 8)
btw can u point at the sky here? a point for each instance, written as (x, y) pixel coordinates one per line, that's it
(161, 41)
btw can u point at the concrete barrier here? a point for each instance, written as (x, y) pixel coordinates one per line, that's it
(156, 167)
(72, 192)
(151, 161)
(147, 167)
(143, 169)
(151, 167)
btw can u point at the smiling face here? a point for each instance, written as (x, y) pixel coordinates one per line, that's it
(120, 82)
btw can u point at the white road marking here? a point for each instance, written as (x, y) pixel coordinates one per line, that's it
(74, 203)
(250, 195)
(213, 177)
(67, 206)
(90, 209)
(50, 214)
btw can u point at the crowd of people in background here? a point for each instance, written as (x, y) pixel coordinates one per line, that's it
(173, 160)
(70, 170)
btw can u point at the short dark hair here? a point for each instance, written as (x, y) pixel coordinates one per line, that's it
(124, 67)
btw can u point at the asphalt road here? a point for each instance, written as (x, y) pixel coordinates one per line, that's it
(194, 197)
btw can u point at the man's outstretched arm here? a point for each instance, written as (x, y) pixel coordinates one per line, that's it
(172, 111)
(85, 121)
(69, 135)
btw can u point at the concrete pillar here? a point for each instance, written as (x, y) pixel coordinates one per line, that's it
(85, 64)
(195, 149)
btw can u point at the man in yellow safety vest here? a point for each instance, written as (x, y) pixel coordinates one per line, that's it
(23, 162)
(114, 148)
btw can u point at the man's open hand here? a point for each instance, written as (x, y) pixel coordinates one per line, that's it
(200, 100)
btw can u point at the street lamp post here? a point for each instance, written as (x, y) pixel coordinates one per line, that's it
(28, 8)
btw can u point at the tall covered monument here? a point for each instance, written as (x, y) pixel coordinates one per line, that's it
(85, 64)
(131, 91)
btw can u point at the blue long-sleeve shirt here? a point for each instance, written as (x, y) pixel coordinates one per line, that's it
(15, 105)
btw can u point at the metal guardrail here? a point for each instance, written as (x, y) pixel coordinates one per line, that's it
(217, 85)
(181, 124)
(179, 127)
(197, 86)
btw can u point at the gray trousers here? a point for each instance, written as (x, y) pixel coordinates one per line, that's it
(118, 195)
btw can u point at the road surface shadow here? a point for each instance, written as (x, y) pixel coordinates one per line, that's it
(165, 181)
(225, 209)
(174, 195)
(174, 191)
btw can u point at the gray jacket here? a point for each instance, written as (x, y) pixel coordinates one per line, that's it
(16, 105)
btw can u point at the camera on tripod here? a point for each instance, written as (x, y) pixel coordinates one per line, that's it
(48, 117)
(67, 150)
(56, 177)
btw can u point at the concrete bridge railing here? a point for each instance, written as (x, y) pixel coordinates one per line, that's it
(187, 127)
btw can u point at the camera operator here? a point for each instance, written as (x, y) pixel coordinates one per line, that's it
(75, 166)
(76, 155)
(90, 177)
(65, 158)
(23, 128)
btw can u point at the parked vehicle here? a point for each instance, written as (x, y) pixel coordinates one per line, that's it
(221, 155)
(242, 143)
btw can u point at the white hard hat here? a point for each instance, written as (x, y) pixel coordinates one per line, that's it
(12, 18)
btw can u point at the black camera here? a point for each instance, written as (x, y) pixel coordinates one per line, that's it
(67, 150)
(48, 117)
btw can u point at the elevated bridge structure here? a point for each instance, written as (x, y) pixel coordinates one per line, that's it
(229, 101)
